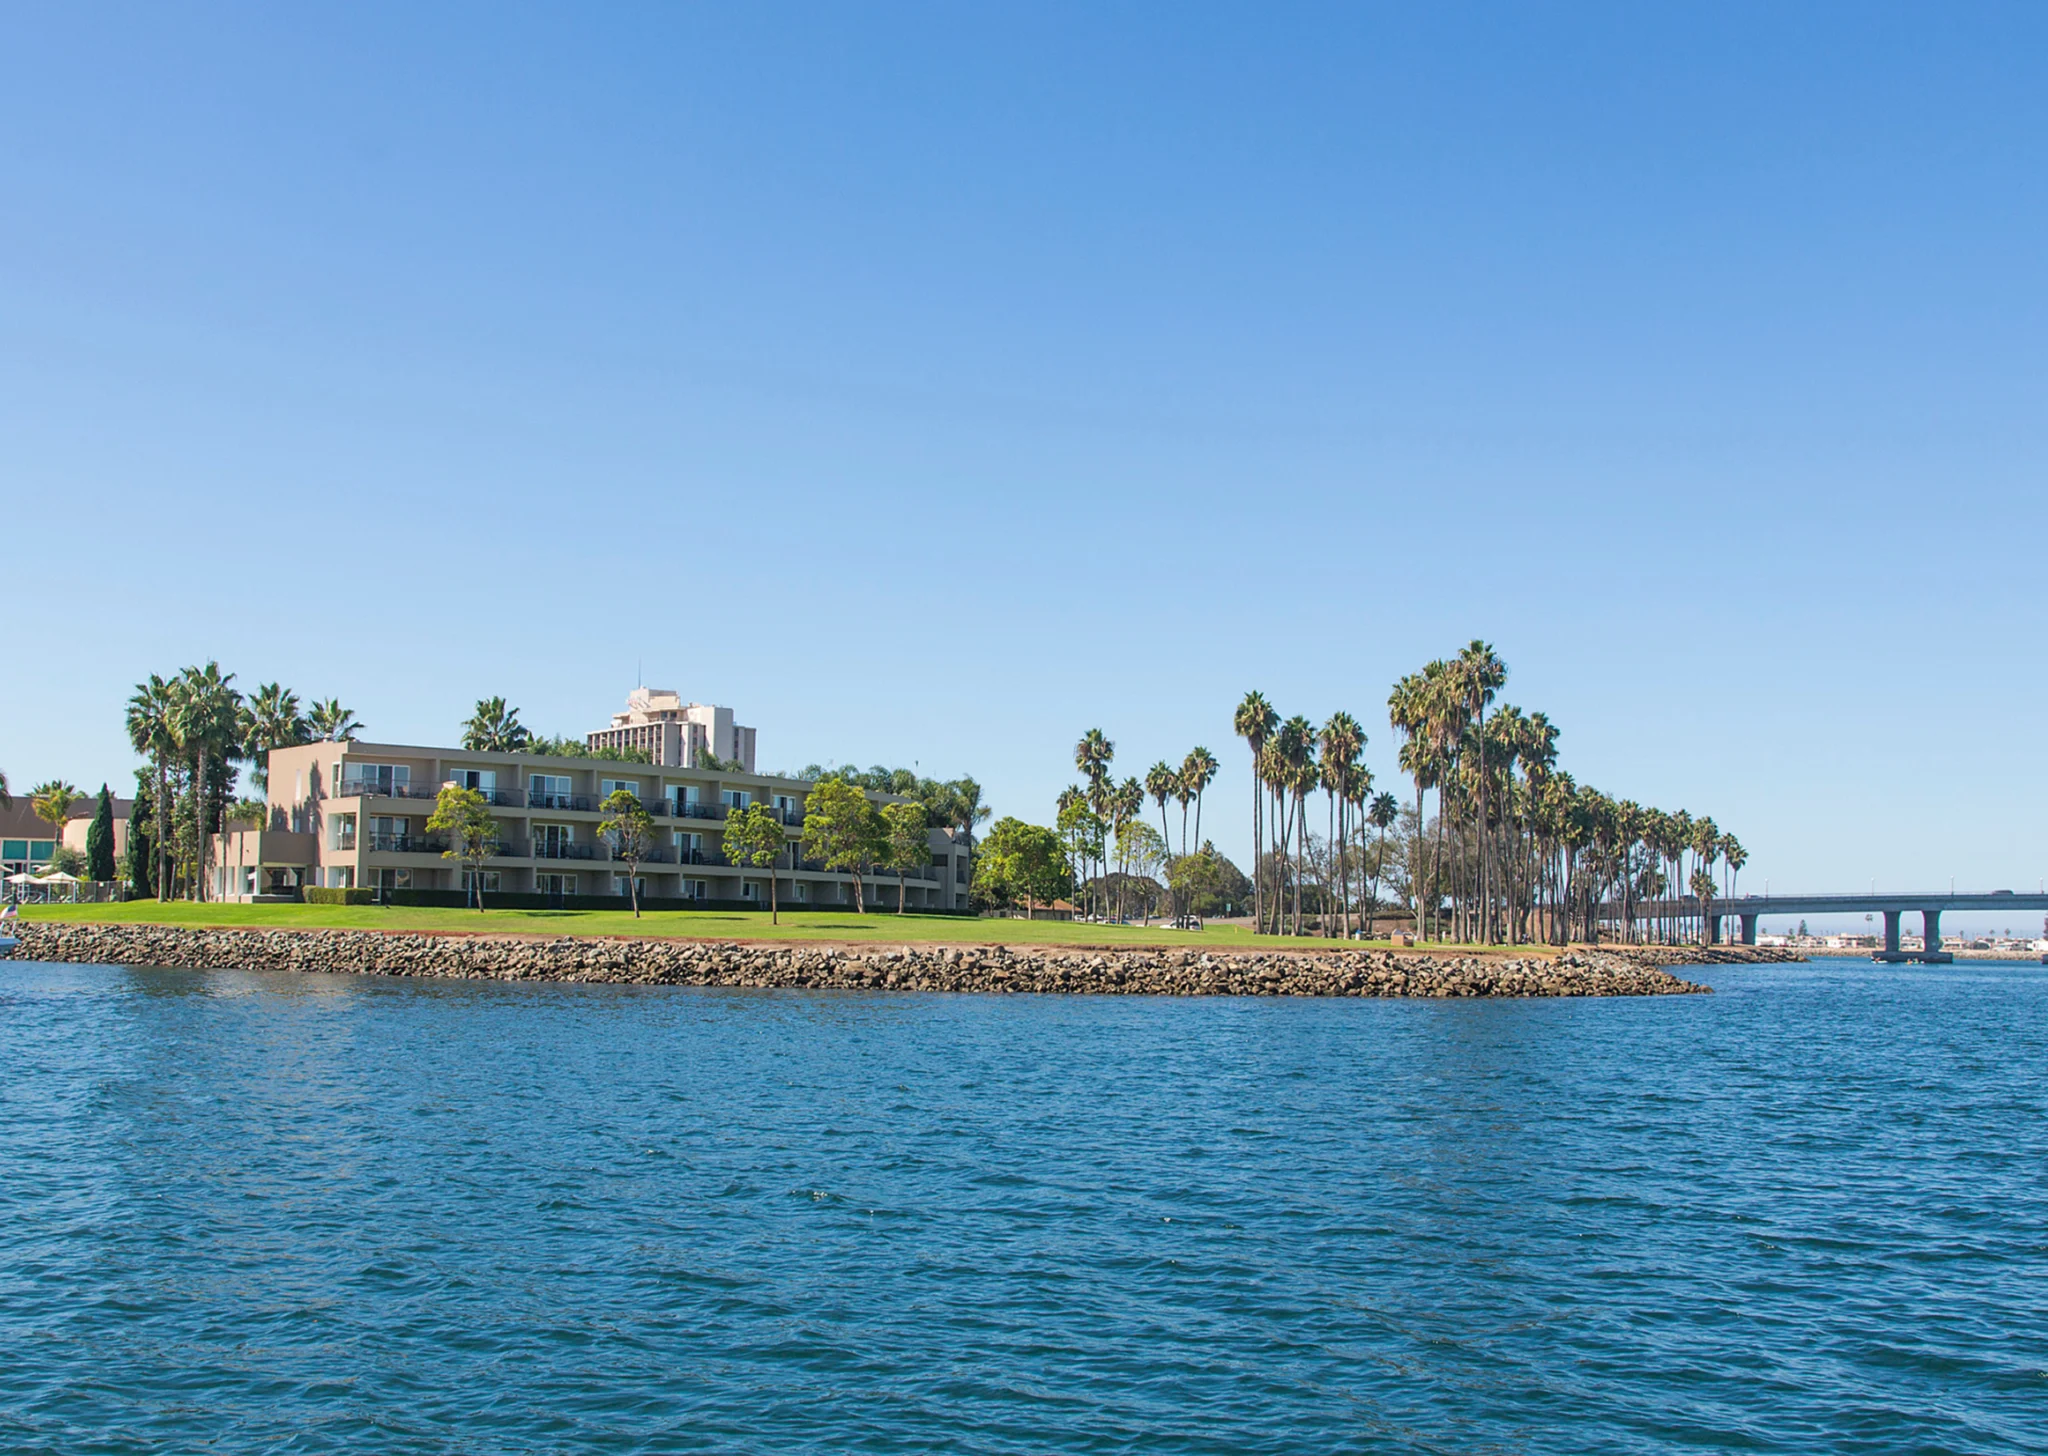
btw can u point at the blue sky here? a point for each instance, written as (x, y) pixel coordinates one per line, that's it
(934, 383)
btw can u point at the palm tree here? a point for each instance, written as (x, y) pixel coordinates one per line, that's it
(1197, 772)
(1480, 674)
(149, 733)
(271, 719)
(1162, 783)
(52, 800)
(205, 715)
(1383, 815)
(330, 722)
(1414, 709)
(495, 728)
(965, 809)
(1126, 803)
(1735, 857)
(1254, 722)
(1341, 742)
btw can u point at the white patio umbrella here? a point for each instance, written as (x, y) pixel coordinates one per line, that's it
(57, 877)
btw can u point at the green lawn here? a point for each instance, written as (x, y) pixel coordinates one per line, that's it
(837, 926)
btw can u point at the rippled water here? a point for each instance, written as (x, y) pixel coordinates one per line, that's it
(245, 1212)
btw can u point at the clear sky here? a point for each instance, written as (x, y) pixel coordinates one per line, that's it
(934, 383)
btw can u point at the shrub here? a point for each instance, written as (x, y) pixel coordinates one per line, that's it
(318, 896)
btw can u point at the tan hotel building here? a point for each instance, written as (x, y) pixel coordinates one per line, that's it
(353, 815)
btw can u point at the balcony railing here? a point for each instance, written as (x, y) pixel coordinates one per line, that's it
(404, 843)
(544, 850)
(350, 788)
(510, 849)
(535, 799)
(700, 811)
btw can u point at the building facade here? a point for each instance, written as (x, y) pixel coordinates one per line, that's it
(353, 815)
(27, 843)
(676, 734)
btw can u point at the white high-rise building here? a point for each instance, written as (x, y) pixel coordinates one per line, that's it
(676, 734)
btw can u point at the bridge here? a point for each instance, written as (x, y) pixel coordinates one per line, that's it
(1748, 909)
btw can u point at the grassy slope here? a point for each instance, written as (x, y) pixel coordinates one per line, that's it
(701, 924)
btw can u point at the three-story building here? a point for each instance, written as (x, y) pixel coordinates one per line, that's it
(354, 815)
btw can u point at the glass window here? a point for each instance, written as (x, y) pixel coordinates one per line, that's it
(341, 831)
(735, 798)
(607, 787)
(490, 879)
(485, 779)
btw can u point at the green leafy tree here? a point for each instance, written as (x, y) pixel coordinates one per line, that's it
(907, 842)
(1192, 877)
(465, 816)
(1025, 862)
(842, 828)
(495, 728)
(754, 839)
(6, 798)
(99, 840)
(629, 829)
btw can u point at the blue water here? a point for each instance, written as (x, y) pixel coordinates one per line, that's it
(251, 1212)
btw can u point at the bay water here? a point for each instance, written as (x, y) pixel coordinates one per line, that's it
(278, 1213)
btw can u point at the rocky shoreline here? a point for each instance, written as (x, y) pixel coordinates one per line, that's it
(1125, 971)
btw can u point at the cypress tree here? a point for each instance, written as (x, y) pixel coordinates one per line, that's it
(142, 845)
(99, 840)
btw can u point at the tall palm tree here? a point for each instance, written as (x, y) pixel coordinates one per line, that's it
(1341, 742)
(963, 798)
(495, 728)
(149, 733)
(1735, 857)
(1480, 674)
(1255, 722)
(330, 722)
(1197, 772)
(1383, 815)
(271, 718)
(1184, 795)
(204, 719)
(1417, 710)
(1162, 783)
(1126, 803)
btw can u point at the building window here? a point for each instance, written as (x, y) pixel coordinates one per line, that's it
(483, 779)
(394, 879)
(555, 884)
(552, 841)
(799, 891)
(490, 879)
(749, 890)
(694, 890)
(607, 787)
(341, 832)
(619, 885)
(734, 798)
(341, 877)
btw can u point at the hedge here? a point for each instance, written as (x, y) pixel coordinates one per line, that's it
(315, 895)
